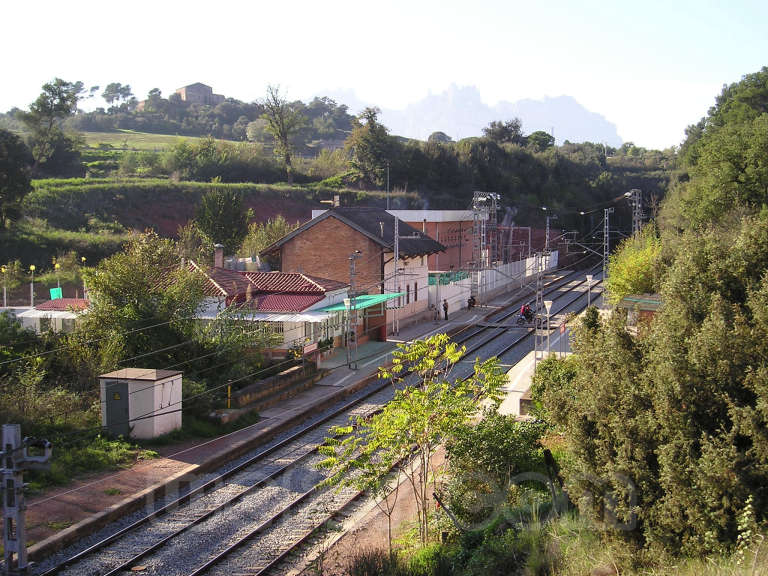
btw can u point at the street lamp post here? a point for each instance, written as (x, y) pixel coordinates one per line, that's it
(388, 186)
(85, 290)
(32, 286)
(56, 267)
(589, 290)
(3, 269)
(548, 306)
(347, 303)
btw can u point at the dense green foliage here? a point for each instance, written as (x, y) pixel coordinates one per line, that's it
(725, 157)
(370, 149)
(206, 160)
(222, 219)
(142, 313)
(666, 429)
(54, 150)
(263, 234)
(635, 266)
(15, 166)
(325, 120)
(487, 462)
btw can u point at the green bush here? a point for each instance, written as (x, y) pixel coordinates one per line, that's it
(431, 560)
(375, 562)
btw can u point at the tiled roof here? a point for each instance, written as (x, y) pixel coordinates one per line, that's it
(375, 223)
(64, 304)
(285, 302)
(296, 283)
(231, 282)
(222, 282)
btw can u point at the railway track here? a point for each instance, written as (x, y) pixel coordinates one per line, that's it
(273, 497)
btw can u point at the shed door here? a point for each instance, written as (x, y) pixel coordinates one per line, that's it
(117, 408)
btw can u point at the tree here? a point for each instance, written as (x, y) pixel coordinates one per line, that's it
(635, 267)
(141, 286)
(283, 122)
(54, 151)
(57, 101)
(731, 171)
(115, 92)
(193, 244)
(262, 234)
(154, 102)
(507, 132)
(486, 460)
(428, 407)
(15, 166)
(666, 430)
(370, 147)
(256, 131)
(144, 303)
(223, 219)
(540, 140)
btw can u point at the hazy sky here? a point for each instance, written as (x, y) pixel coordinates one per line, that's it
(650, 67)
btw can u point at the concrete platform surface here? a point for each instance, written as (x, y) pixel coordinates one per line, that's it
(63, 515)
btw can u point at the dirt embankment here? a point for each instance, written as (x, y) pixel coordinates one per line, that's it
(167, 214)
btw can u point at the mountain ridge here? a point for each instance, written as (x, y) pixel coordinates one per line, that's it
(460, 112)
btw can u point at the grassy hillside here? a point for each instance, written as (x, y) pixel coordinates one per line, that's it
(35, 242)
(131, 140)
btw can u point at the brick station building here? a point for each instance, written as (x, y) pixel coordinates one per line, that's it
(323, 247)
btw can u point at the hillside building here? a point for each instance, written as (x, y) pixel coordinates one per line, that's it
(199, 93)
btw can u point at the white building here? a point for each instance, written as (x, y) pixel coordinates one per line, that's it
(141, 402)
(59, 315)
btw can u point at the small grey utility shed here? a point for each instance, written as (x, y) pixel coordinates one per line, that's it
(141, 402)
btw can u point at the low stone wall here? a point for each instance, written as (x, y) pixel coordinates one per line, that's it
(267, 387)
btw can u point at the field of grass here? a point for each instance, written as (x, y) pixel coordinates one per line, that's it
(130, 140)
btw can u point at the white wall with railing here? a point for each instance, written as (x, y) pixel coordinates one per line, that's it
(491, 283)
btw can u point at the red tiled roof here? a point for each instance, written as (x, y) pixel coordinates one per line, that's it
(287, 282)
(222, 282)
(285, 302)
(64, 305)
(230, 281)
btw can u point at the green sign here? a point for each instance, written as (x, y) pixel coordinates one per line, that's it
(56, 293)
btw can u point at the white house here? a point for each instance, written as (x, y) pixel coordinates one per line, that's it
(59, 315)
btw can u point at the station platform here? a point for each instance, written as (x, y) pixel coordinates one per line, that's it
(64, 515)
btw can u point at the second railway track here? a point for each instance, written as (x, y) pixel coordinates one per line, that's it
(272, 498)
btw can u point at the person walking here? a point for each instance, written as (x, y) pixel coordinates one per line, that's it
(445, 308)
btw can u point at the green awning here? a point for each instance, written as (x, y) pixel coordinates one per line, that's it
(363, 301)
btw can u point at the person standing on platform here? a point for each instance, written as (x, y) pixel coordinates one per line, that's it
(445, 308)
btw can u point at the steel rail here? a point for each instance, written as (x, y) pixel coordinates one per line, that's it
(214, 482)
(263, 527)
(220, 479)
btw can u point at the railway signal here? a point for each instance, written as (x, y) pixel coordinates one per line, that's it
(16, 458)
